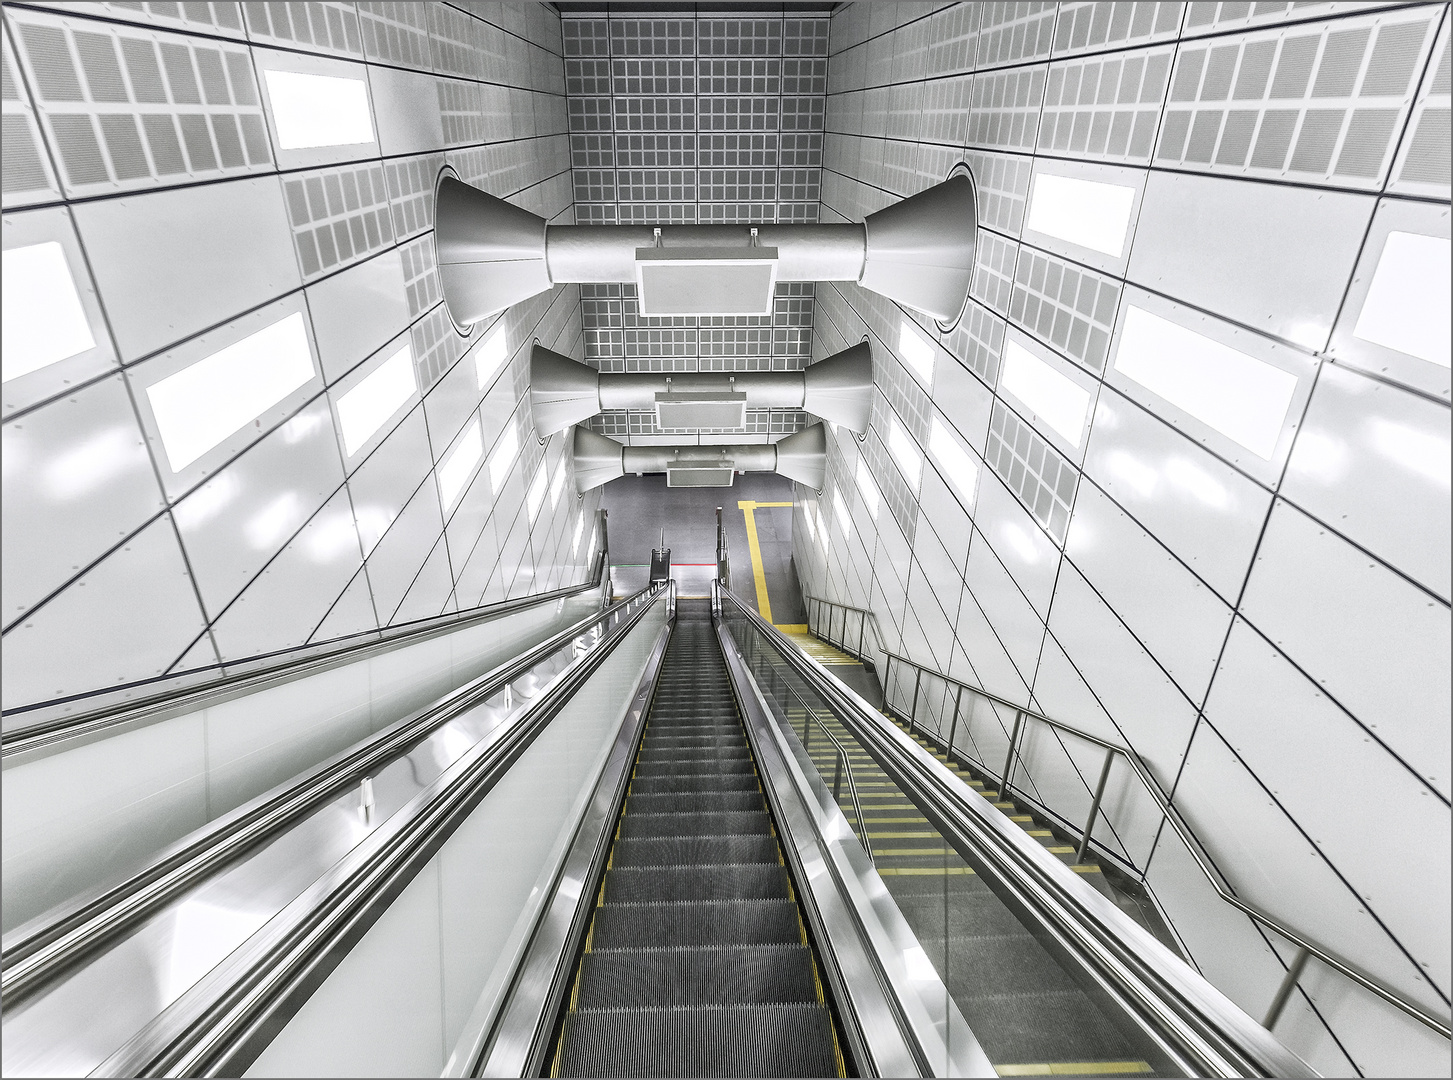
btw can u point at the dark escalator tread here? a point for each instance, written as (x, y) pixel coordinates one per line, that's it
(696, 823)
(690, 767)
(709, 922)
(721, 881)
(680, 802)
(712, 1040)
(712, 975)
(671, 850)
(645, 785)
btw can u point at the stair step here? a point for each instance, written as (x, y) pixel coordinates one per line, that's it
(684, 802)
(697, 823)
(695, 922)
(673, 784)
(671, 850)
(696, 881)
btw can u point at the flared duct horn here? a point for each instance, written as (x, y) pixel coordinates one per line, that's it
(840, 388)
(597, 460)
(920, 251)
(562, 391)
(803, 456)
(491, 254)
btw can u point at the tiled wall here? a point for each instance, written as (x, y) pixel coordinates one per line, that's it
(704, 119)
(1268, 627)
(140, 138)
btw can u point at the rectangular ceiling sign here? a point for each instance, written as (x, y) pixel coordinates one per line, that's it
(706, 281)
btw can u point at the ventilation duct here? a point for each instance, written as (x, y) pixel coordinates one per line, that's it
(801, 457)
(564, 392)
(919, 252)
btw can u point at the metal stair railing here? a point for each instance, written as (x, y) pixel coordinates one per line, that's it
(1306, 947)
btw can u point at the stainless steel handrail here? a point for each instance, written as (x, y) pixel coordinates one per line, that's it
(1188, 1012)
(220, 1024)
(47, 733)
(44, 948)
(841, 642)
(1305, 946)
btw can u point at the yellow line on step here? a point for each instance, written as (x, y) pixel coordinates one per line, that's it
(906, 871)
(747, 506)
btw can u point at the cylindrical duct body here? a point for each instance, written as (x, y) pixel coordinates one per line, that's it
(801, 457)
(600, 253)
(764, 389)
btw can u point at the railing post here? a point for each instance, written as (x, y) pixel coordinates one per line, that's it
(1095, 807)
(1284, 991)
(913, 712)
(954, 725)
(837, 778)
(862, 627)
(1009, 761)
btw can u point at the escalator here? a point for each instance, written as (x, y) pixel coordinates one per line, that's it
(696, 960)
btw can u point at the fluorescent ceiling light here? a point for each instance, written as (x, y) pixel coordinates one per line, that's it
(916, 352)
(1243, 398)
(536, 496)
(905, 452)
(456, 469)
(199, 406)
(43, 321)
(1051, 395)
(503, 458)
(490, 356)
(958, 464)
(1407, 307)
(868, 489)
(318, 110)
(370, 404)
(579, 528)
(1083, 212)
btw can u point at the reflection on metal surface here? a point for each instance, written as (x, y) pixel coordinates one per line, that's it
(148, 951)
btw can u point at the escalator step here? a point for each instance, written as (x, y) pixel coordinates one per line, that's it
(703, 922)
(696, 823)
(711, 1040)
(717, 881)
(646, 785)
(716, 975)
(698, 753)
(694, 801)
(674, 850)
(688, 767)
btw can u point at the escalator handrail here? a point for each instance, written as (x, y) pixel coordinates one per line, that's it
(1169, 813)
(46, 734)
(1187, 1013)
(220, 1024)
(40, 950)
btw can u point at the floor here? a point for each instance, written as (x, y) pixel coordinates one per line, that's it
(643, 512)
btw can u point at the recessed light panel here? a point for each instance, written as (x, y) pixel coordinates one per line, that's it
(916, 352)
(959, 467)
(1243, 398)
(455, 470)
(43, 321)
(368, 406)
(201, 405)
(867, 488)
(503, 458)
(491, 355)
(1053, 397)
(905, 452)
(1083, 212)
(535, 498)
(1407, 306)
(318, 110)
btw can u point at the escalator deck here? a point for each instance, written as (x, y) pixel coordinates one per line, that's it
(696, 962)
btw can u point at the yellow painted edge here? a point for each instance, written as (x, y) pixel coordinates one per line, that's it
(1082, 869)
(759, 576)
(791, 628)
(906, 871)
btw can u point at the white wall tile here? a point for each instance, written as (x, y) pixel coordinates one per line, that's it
(396, 560)
(1372, 461)
(1274, 258)
(127, 619)
(1018, 625)
(351, 613)
(77, 480)
(389, 477)
(1177, 617)
(211, 252)
(1376, 643)
(430, 591)
(1021, 545)
(405, 110)
(357, 311)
